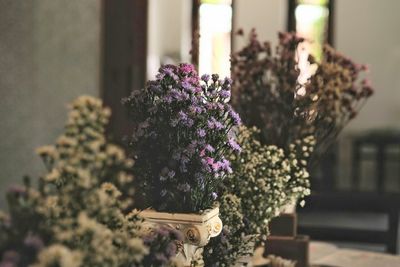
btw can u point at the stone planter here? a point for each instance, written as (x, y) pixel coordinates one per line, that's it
(197, 230)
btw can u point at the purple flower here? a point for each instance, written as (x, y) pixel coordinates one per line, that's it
(201, 132)
(210, 125)
(175, 94)
(196, 109)
(225, 93)
(214, 124)
(220, 106)
(211, 106)
(226, 165)
(187, 68)
(209, 148)
(182, 115)
(216, 166)
(205, 77)
(188, 87)
(235, 146)
(189, 122)
(209, 160)
(218, 125)
(168, 99)
(235, 117)
(205, 166)
(214, 195)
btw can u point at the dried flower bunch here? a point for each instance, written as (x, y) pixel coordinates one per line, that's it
(268, 94)
(339, 92)
(266, 178)
(264, 88)
(182, 138)
(75, 217)
(83, 151)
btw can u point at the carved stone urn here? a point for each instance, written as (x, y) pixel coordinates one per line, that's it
(197, 230)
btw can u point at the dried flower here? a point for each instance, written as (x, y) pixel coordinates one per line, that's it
(76, 218)
(266, 178)
(270, 94)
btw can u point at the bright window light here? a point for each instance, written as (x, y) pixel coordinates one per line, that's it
(311, 23)
(215, 37)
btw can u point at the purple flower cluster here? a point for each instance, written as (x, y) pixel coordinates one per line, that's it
(181, 139)
(162, 243)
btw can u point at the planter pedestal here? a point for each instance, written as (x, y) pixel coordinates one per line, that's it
(285, 242)
(197, 230)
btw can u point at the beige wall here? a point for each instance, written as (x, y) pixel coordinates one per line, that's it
(368, 32)
(49, 54)
(169, 26)
(266, 16)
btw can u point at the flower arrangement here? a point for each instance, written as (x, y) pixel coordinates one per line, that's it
(340, 94)
(182, 138)
(266, 178)
(75, 216)
(268, 94)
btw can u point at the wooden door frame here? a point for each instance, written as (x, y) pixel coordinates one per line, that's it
(124, 56)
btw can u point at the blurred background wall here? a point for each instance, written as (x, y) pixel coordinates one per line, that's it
(366, 30)
(49, 54)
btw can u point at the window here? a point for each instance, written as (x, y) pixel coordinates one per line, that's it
(214, 45)
(312, 19)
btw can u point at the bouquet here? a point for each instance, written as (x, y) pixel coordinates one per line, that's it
(266, 178)
(287, 102)
(75, 217)
(182, 139)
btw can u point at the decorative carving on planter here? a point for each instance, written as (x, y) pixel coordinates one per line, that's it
(196, 228)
